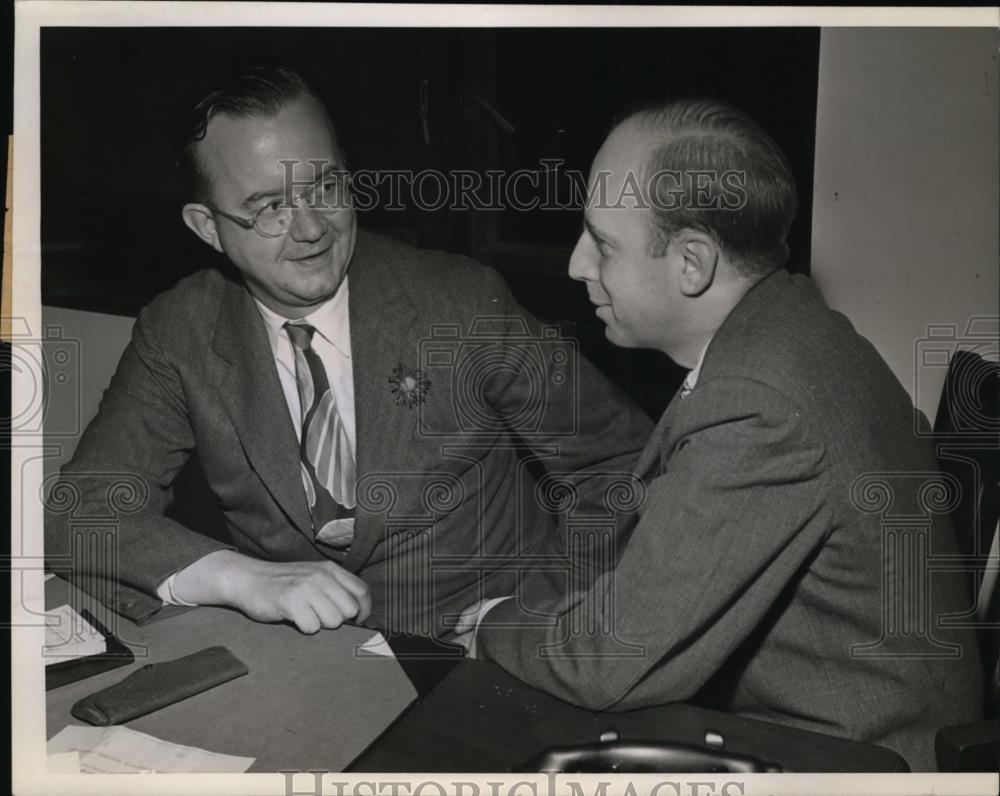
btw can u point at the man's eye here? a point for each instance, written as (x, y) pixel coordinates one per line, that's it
(329, 193)
(329, 187)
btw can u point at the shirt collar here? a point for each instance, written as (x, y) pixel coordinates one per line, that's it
(331, 320)
(691, 380)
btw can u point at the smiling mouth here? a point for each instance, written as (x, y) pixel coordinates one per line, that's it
(311, 257)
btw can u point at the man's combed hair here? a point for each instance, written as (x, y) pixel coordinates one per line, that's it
(745, 199)
(248, 89)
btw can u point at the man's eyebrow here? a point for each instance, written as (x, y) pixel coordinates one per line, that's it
(255, 197)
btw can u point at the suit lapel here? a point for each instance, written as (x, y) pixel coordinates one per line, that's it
(252, 395)
(649, 463)
(381, 318)
(729, 335)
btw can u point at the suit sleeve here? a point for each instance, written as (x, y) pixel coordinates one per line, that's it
(118, 483)
(585, 433)
(734, 515)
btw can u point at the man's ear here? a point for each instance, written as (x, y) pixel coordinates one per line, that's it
(699, 255)
(201, 222)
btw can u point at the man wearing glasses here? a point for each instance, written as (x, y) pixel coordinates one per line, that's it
(353, 484)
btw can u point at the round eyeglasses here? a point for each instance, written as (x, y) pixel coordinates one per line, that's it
(327, 195)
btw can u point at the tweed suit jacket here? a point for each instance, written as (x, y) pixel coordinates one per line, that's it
(769, 574)
(446, 462)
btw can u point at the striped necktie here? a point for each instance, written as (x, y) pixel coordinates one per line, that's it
(325, 451)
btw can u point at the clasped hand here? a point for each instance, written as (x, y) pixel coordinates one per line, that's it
(309, 594)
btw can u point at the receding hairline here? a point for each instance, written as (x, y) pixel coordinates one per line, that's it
(695, 135)
(303, 93)
(646, 145)
(654, 135)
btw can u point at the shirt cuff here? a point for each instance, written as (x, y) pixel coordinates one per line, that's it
(165, 591)
(484, 609)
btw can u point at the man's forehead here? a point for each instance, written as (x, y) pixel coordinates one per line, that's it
(269, 139)
(298, 139)
(618, 168)
(626, 147)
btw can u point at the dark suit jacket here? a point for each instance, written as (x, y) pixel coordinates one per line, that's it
(445, 495)
(776, 567)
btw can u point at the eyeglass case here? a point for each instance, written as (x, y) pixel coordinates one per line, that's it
(157, 685)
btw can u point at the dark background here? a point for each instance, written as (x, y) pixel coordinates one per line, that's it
(112, 236)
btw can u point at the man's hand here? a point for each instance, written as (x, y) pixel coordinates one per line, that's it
(310, 594)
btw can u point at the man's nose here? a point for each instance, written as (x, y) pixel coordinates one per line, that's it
(308, 225)
(581, 261)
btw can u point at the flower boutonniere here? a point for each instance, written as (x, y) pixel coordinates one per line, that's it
(408, 385)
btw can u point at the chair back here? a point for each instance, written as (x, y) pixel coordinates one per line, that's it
(967, 438)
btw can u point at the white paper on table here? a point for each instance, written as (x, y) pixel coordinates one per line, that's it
(377, 645)
(74, 738)
(119, 750)
(64, 763)
(68, 636)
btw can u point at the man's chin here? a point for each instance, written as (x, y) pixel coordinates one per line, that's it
(319, 295)
(307, 297)
(619, 338)
(318, 275)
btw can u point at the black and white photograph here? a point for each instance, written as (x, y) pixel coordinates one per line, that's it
(544, 399)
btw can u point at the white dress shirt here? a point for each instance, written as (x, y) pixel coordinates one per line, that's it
(332, 343)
